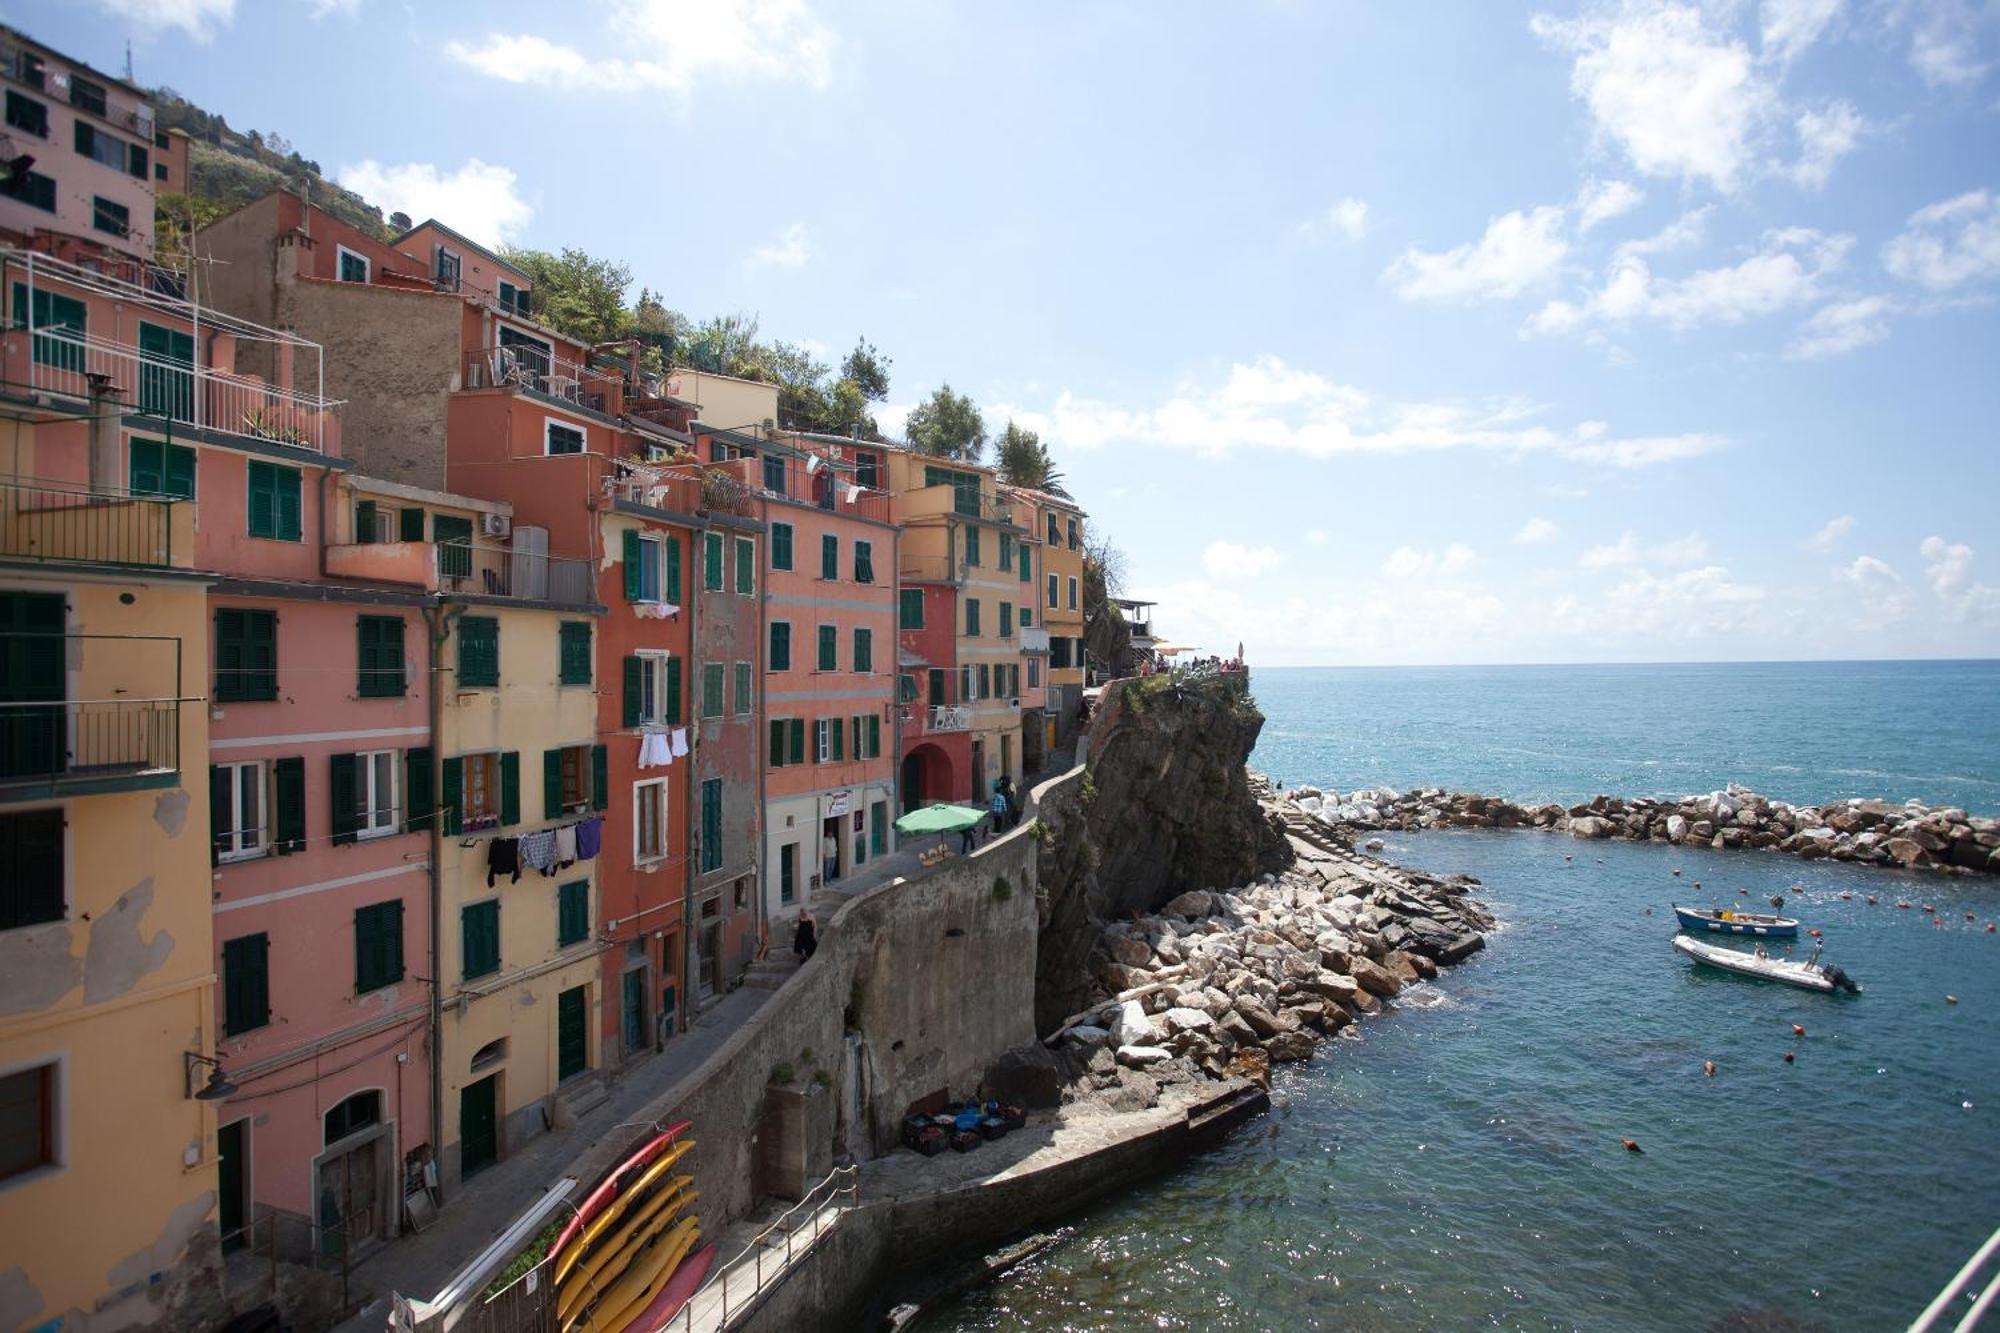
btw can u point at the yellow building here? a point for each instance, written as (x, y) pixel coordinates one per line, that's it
(107, 1146)
(1058, 523)
(958, 528)
(519, 949)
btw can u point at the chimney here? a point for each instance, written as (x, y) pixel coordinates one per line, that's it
(107, 413)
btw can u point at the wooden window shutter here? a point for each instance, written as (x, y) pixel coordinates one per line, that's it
(346, 798)
(632, 558)
(635, 686)
(419, 795)
(777, 759)
(364, 521)
(673, 689)
(874, 736)
(833, 725)
(219, 816)
(552, 793)
(289, 778)
(510, 787)
(600, 778)
(410, 525)
(798, 740)
(451, 794)
(673, 593)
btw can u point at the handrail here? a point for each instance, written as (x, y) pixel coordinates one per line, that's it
(1982, 1305)
(720, 1276)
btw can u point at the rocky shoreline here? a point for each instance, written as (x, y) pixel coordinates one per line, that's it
(1943, 840)
(1223, 983)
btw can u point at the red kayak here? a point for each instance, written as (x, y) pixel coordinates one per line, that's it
(625, 1171)
(685, 1281)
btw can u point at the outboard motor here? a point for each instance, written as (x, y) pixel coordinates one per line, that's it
(1842, 981)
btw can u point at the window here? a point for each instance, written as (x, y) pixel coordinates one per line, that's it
(965, 692)
(353, 267)
(27, 115)
(86, 94)
(514, 300)
(33, 189)
(711, 824)
(159, 171)
(972, 616)
(964, 486)
(864, 562)
(27, 1121)
(559, 437)
(98, 146)
(652, 689)
(60, 323)
(453, 537)
(826, 740)
(829, 556)
(1074, 540)
(867, 729)
(574, 648)
(446, 267)
(381, 656)
(780, 656)
(375, 806)
(246, 984)
(1034, 672)
(711, 561)
(774, 474)
(864, 650)
(138, 162)
(788, 741)
(936, 686)
(573, 913)
(788, 872)
(274, 502)
(31, 868)
(1006, 620)
(745, 699)
(371, 523)
(1072, 594)
(1027, 617)
(712, 677)
(1026, 575)
(378, 946)
(972, 547)
(912, 616)
(479, 790)
(649, 820)
(410, 525)
(868, 469)
(572, 778)
(829, 648)
(158, 468)
(985, 681)
(1055, 589)
(652, 568)
(1006, 551)
(361, 1111)
(246, 655)
(1058, 653)
(479, 938)
(746, 566)
(781, 546)
(478, 652)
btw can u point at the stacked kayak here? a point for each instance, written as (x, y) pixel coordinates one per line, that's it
(628, 1259)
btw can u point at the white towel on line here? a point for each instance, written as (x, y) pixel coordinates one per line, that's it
(654, 752)
(680, 742)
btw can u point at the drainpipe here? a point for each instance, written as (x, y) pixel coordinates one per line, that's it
(325, 475)
(105, 417)
(896, 696)
(438, 621)
(689, 953)
(760, 731)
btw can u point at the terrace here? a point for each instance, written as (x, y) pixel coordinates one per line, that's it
(163, 356)
(123, 735)
(466, 568)
(61, 522)
(534, 367)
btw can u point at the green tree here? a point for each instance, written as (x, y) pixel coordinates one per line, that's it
(802, 402)
(726, 345)
(576, 293)
(947, 425)
(1023, 460)
(868, 369)
(176, 217)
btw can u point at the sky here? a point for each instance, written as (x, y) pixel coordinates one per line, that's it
(1371, 333)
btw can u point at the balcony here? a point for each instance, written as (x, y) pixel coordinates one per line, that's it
(114, 739)
(526, 366)
(918, 567)
(64, 523)
(927, 502)
(948, 717)
(1034, 639)
(471, 569)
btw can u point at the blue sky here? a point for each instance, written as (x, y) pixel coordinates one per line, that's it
(1372, 333)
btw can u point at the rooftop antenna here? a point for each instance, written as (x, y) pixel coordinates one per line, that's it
(128, 60)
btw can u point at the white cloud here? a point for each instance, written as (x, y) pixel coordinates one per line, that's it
(1680, 98)
(1825, 136)
(1948, 567)
(1518, 251)
(1600, 201)
(1691, 604)
(1830, 536)
(1627, 551)
(199, 19)
(1790, 26)
(1407, 562)
(1535, 532)
(479, 199)
(1785, 272)
(1231, 560)
(327, 8)
(1945, 41)
(1347, 219)
(1949, 243)
(1688, 229)
(1841, 327)
(669, 46)
(1268, 404)
(892, 417)
(1875, 591)
(790, 250)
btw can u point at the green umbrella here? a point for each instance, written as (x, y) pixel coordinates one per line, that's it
(940, 819)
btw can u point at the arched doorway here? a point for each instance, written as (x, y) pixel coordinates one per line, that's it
(927, 776)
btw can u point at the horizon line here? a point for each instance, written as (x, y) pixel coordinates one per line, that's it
(1645, 662)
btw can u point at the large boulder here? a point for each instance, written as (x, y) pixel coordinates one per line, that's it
(1591, 826)
(1025, 1076)
(1289, 1047)
(1128, 950)
(1181, 1018)
(1138, 1057)
(1132, 1027)
(1195, 902)
(1677, 828)
(1907, 851)
(1373, 977)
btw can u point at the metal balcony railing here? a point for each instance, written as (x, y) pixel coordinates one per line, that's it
(499, 571)
(49, 742)
(58, 521)
(526, 366)
(949, 717)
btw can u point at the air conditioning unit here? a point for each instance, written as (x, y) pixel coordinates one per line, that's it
(497, 525)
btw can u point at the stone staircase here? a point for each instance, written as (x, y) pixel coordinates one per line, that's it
(579, 1097)
(770, 973)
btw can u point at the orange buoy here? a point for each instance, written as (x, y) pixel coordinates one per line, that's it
(1708, 1068)
(1798, 1030)
(1631, 1145)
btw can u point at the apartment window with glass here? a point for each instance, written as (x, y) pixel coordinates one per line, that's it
(33, 189)
(781, 546)
(972, 547)
(479, 789)
(1006, 620)
(478, 652)
(246, 984)
(788, 741)
(154, 467)
(479, 938)
(912, 609)
(828, 746)
(28, 1123)
(774, 474)
(780, 655)
(352, 267)
(829, 648)
(27, 115)
(98, 146)
(246, 655)
(652, 689)
(972, 617)
(936, 685)
(652, 568)
(559, 437)
(571, 775)
(1074, 541)
(711, 561)
(1034, 672)
(649, 820)
(378, 946)
(1055, 531)
(965, 692)
(1072, 594)
(513, 300)
(1006, 551)
(829, 556)
(87, 94)
(573, 913)
(275, 511)
(864, 562)
(746, 567)
(1055, 590)
(31, 868)
(380, 654)
(1027, 617)
(745, 700)
(985, 681)
(712, 680)
(864, 650)
(868, 469)
(375, 792)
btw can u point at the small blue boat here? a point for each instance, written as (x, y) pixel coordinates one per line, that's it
(1729, 921)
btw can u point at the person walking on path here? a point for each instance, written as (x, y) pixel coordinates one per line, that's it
(998, 805)
(1013, 801)
(806, 938)
(829, 855)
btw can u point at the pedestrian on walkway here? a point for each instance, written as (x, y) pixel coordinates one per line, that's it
(998, 805)
(806, 938)
(829, 855)
(1013, 801)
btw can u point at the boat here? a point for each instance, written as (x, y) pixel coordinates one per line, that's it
(1808, 975)
(1729, 921)
(615, 1181)
(679, 1289)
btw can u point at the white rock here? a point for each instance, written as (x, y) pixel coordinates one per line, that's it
(1132, 1027)
(1138, 1057)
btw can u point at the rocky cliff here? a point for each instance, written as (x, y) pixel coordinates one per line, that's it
(1165, 807)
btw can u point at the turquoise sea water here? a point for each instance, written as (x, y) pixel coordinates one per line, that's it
(1456, 1164)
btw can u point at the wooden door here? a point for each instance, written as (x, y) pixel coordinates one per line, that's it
(572, 1033)
(478, 1128)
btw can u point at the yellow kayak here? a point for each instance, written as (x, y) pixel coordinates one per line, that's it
(608, 1219)
(653, 1270)
(605, 1269)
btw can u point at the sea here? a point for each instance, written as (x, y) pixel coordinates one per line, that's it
(1458, 1163)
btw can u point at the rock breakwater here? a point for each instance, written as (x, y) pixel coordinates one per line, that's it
(1223, 983)
(1945, 840)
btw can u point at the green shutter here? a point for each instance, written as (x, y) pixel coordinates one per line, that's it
(913, 608)
(711, 561)
(781, 646)
(479, 939)
(146, 469)
(781, 546)
(246, 984)
(478, 651)
(574, 645)
(777, 759)
(798, 739)
(632, 549)
(874, 736)
(864, 650)
(552, 803)
(510, 788)
(600, 777)
(829, 648)
(673, 592)
(410, 525)
(419, 797)
(833, 724)
(364, 521)
(263, 501)
(572, 912)
(711, 824)
(380, 654)
(289, 778)
(829, 556)
(635, 685)
(220, 817)
(378, 945)
(346, 798)
(746, 565)
(673, 689)
(451, 795)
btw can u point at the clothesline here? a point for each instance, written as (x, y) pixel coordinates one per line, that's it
(548, 850)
